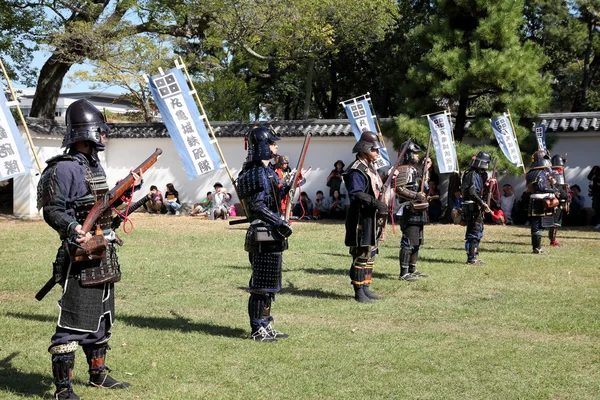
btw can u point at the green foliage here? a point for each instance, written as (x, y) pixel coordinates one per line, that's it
(19, 27)
(522, 327)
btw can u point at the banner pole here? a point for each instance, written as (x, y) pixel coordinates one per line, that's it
(210, 129)
(449, 114)
(516, 140)
(12, 92)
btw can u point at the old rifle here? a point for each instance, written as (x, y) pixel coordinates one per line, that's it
(97, 243)
(492, 186)
(423, 205)
(297, 175)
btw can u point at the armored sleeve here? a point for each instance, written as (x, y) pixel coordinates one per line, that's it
(472, 189)
(58, 181)
(405, 194)
(258, 207)
(543, 185)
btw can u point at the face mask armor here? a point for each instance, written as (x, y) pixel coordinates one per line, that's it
(368, 141)
(259, 141)
(540, 160)
(84, 122)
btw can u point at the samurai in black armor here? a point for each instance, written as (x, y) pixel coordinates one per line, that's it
(365, 215)
(474, 206)
(562, 190)
(260, 191)
(543, 198)
(413, 211)
(68, 188)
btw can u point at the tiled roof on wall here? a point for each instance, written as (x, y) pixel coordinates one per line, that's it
(318, 127)
(564, 122)
(558, 122)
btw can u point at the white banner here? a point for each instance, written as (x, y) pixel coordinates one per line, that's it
(443, 142)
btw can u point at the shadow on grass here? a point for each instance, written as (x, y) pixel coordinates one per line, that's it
(431, 260)
(320, 294)
(484, 249)
(178, 323)
(315, 293)
(22, 383)
(337, 271)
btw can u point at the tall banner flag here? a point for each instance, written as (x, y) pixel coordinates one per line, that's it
(540, 136)
(361, 119)
(14, 160)
(507, 139)
(443, 142)
(185, 124)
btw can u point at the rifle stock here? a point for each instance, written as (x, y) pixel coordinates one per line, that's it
(294, 184)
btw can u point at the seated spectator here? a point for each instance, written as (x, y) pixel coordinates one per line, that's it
(334, 180)
(202, 207)
(172, 200)
(507, 202)
(155, 203)
(497, 215)
(574, 217)
(322, 205)
(455, 205)
(220, 208)
(522, 206)
(337, 210)
(435, 204)
(304, 208)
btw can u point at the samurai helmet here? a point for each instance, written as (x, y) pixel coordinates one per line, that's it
(368, 141)
(410, 152)
(540, 160)
(84, 122)
(259, 139)
(481, 160)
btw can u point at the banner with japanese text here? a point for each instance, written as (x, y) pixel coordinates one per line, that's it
(506, 139)
(540, 136)
(361, 119)
(14, 159)
(185, 124)
(443, 142)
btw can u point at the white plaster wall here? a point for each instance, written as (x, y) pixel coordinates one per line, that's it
(123, 154)
(583, 152)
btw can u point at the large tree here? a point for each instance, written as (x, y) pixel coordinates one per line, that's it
(476, 63)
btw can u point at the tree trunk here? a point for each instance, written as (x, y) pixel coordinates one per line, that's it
(287, 107)
(332, 106)
(48, 88)
(581, 101)
(461, 118)
(309, 79)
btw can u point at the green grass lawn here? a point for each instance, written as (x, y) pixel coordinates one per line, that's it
(520, 327)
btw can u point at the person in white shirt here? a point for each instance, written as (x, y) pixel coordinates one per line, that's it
(507, 202)
(220, 208)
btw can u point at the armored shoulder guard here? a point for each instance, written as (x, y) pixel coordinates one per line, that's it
(403, 175)
(251, 181)
(45, 188)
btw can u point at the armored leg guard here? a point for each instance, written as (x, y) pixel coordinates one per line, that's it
(552, 237)
(96, 356)
(270, 320)
(405, 255)
(258, 306)
(472, 248)
(63, 363)
(536, 242)
(412, 265)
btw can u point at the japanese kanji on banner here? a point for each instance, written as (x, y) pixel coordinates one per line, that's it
(540, 136)
(443, 142)
(361, 119)
(184, 123)
(14, 160)
(506, 139)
